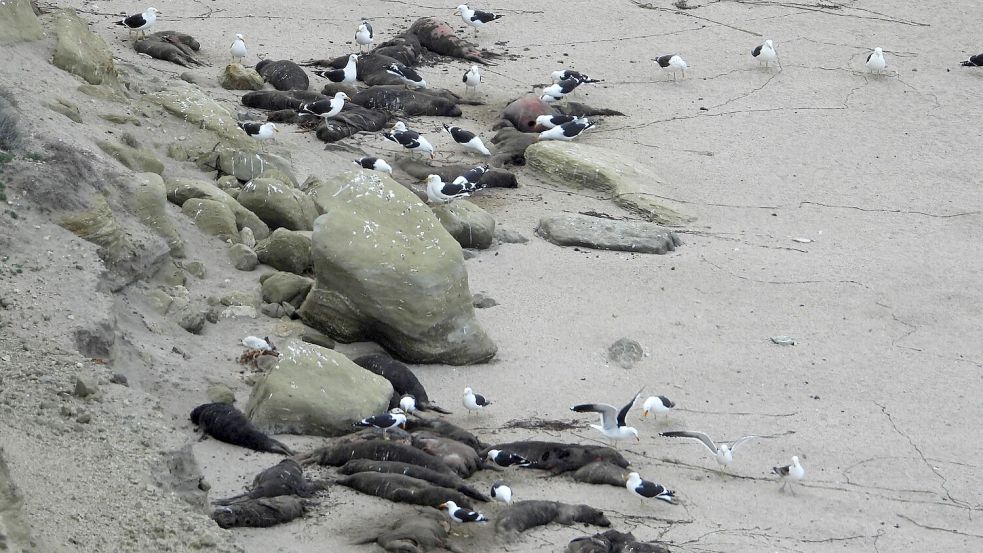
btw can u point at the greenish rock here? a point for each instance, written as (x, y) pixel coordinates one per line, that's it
(192, 321)
(99, 226)
(229, 184)
(64, 107)
(220, 393)
(470, 225)
(15, 534)
(240, 297)
(148, 201)
(86, 386)
(245, 163)
(278, 204)
(617, 175)
(239, 312)
(608, 234)
(18, 23)
(237, 77)
(286, 250)
(137, 159)
(172, 275)
(120, 119)
(180, 190)
(103, 92)
(285, 287)
(196, 268)
(81, 52)
(178, 152)
(315, 391)
(212, 217)
(247, 237)
(159, 300)
(243, 257)
(272, 310)
(190, 103)
(388, 271)
(318, 339)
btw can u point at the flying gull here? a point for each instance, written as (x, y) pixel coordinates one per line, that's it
(564, 74)
(723, 452)
(613, 423)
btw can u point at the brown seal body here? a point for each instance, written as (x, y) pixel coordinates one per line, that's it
(227, 424)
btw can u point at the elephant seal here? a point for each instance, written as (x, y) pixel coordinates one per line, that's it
(284, 74)
(524, 515)
(493, 178)
(285, 478)
(227, 424)
(397, 98)
(559, 457)
(260, 513)
(376, 450)
(401, 377)
(400, 488)
(613, 541)
(170, 46)
(394, 467)
(437, 36)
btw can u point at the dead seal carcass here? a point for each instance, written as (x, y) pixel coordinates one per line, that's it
(227, 424)
(401, 377)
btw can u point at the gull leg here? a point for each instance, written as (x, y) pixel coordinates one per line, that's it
(790, 489)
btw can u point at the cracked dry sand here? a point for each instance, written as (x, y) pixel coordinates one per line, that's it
(880, 394)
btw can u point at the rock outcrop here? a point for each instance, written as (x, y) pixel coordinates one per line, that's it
(470, 225)
(80, 52)
(278, 204)
(608, 234)
(18, 22)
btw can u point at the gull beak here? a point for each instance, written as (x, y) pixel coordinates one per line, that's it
(645, 413)
(637, 439)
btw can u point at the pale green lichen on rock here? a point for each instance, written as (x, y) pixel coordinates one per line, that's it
(80, 52)
(99, 226)
(18, 22)
(237, 77)
(621, 177)
(137, 159)
(180, 190)
(148, 201)
(278, 204)
(470, 225)
(190, 103)
(212, 217)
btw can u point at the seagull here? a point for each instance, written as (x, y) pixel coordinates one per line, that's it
(723, 452)
(657, 404)
(327, 108)
(973, 61)
(613, 423)
(363, 35)
(765, 52)
(345, 75)
(254, 342)
(473, 401)
(475, 18)
(373, 163)
(238, 48)
(141, 21)
(643, 489)
(501, 492)
(506, 459)
(564, 74)
(550, 121)
(440, 192)
(411, 140)
(875, 61)
(408, 404)
(472, 78)
(567, 131)
(467, 139)
(410, 78)
(790, 473)
(556, 92)
(471, 177)
(673, 63)
(458, 514)
(260, 131)
(386, 421)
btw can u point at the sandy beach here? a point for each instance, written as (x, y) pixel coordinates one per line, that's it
(829, 205)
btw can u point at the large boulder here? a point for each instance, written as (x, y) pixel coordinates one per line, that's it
(148, 200)
(190, 103)
(388, 271)
(18, 22)
(286, 250)
(180, 190)
(315, 391)
(245, 163)
(237, 77)
(470, 225)
(212, 217)
(80, 52)
(608, 234)
(135, 158)
(601, 169)
(278, 204)
(283, 287)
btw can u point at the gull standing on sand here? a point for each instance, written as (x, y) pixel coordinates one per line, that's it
(345, 75)
(141, 21)
(724, 453)
(458, 514)
(475, 18)
(876, 62)
(790, 473)
(373, 163)
(411, 140)
(973, 61)
(501, 492)
(327, 108)
(567, 131)
(467, 139)
(260, 131)
(643, 489)
(656, 405)
(672, 62)
(613, 423)
(363, 35)
(472, 78)
(473, 401)
(238, 48)
(765, 52)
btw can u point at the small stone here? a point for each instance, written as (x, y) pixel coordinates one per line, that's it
(247, 237)
(238, 312)
(783, 340)
(119, 378)
(289, 310)
(481, 301)
(243, 257)
(212, 315)
(266, 363)
(179, 351)
(84, 418)
(469, 254)
(66, 411)
(274, 310)
(220, 393)
(318, 339)
(508, 236)
(193, 322)
(196, 268)
(85, 386)
(625, 352)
